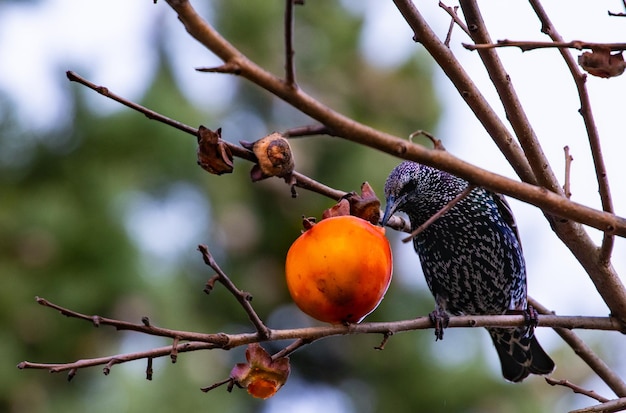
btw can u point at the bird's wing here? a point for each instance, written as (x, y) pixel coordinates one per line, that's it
(507, 213)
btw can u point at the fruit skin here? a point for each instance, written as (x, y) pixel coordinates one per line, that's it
(339, 270)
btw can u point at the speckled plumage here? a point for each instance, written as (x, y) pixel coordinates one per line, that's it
(471, 257)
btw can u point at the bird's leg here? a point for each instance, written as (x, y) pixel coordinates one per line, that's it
(531, 316)
(440, 320)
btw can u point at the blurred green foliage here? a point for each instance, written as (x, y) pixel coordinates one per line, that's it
(66, 234)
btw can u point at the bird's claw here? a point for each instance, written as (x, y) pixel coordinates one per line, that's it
(440, 320)
(531, 316)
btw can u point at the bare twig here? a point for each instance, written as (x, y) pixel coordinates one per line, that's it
(228, 381)
(119, 358)
(384, 341)
(216, 339)
(149, 370)
(617, 405)
(241, 296)
(174, 350)
(302, 181)
(439, 213)
(525, 45)
(449, 34)
(290, 70)
(150, 114)
(455, 19)
(227, 68)
(291, 348)
(568, 167)
(307, 130)
(437, 144)
(576, 389)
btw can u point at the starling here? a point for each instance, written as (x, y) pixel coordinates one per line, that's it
(471, 258)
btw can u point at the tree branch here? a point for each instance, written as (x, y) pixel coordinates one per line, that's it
(567, 189)
(243, 297)
(455, 19)
(525, 45)
(576, 389)
(604, 255)
(617, 405)
(119, 358)
(201, 341)
(290, 71)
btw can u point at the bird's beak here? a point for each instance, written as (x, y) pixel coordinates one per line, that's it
(390, 208)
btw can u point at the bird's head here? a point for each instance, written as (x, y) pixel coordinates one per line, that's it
(400, 187)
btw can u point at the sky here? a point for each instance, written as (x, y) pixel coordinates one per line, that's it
(110, 43)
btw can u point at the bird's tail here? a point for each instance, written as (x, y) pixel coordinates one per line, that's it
(520, 353)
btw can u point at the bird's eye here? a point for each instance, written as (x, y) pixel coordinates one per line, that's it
(409, 187)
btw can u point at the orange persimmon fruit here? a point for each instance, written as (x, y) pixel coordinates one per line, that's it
(339, 270)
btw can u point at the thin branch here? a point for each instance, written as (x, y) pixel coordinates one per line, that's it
(302, 181)
(439, 213)
(576, 389)
(532, 45)
(621, 14)
(119, 358)
(307, 130)
(149, 370)
(384, 341)
(604, 254)
(451, 27)
(215, 339)
(227, 68)
(568, 168)
(150, 114)
(174, 350)
(228, 381)
(241, 296)
(617, 405)
(455, 19)
(291, 348)
(290, 71)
